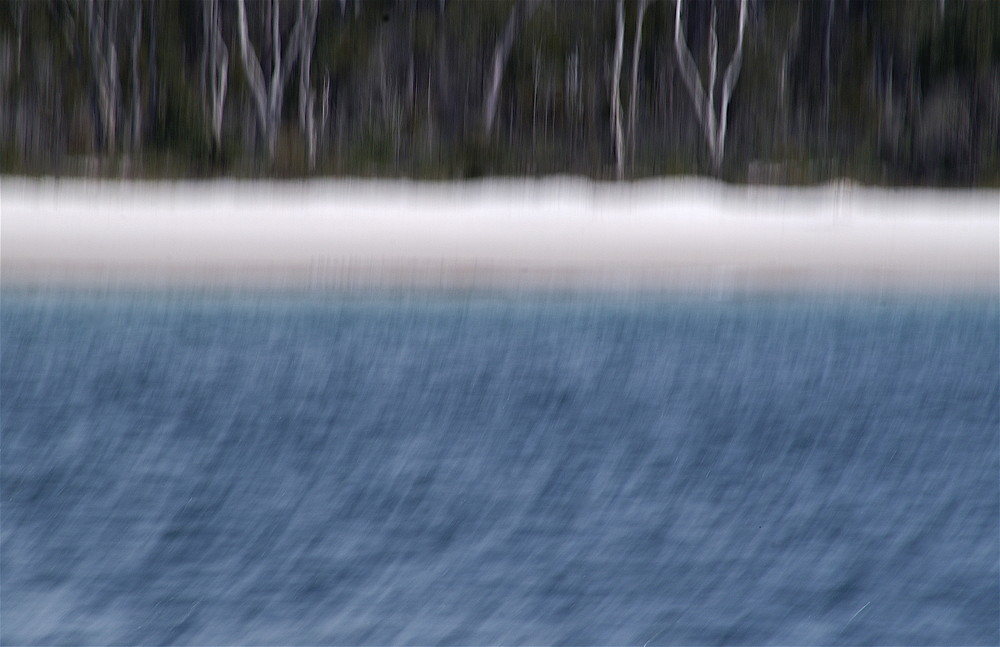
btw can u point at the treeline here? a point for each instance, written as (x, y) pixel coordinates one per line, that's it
(891, 92)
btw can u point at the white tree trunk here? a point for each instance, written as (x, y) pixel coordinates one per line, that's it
(136, 125)
(634, 94)
(713, 125)
(572, 83)
(501, 54)
(826, 69)
(18, 8)
(252, 69)
(324, 108)
(215, 71)
(276, 95)
(308, 13)
(616, 76)
(268, 93)
(729, 83)
(102, 22)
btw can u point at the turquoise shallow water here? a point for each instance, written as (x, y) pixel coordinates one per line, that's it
(183, 468)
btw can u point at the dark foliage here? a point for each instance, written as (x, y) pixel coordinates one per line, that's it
(875, 90)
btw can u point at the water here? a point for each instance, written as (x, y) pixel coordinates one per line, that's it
(323, 469)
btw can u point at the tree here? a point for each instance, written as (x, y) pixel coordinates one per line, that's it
(308, 13)
(637, 48)
(267, 85)
(102, 31)
(616, 103)
(713, 125)
(520, 12)
(874, 90)
(215, 67)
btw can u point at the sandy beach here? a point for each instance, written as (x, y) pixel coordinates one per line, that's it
(552, 233)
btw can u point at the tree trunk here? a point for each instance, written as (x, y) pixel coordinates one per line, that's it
(254, 73)
(308, 13)
(729, 83)
(501, 54)
(102, 23)
(136, 126)
(826, 72)
(215, 68)
(616, 103)
(634, 94)
(713, 126)
(268, 94)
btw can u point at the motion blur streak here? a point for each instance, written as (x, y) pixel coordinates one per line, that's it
(201, 469)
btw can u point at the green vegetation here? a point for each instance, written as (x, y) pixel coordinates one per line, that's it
(881, 91)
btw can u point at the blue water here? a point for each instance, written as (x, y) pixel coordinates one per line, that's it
(202, 469)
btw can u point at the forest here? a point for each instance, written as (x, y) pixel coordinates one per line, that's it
(759, 91)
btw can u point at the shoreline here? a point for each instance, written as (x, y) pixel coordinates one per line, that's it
(553, 234)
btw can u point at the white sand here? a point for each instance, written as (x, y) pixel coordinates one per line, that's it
(549, 233)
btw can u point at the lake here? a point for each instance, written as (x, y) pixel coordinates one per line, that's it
(215, 468)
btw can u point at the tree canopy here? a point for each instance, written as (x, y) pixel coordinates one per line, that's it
(790, 91)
